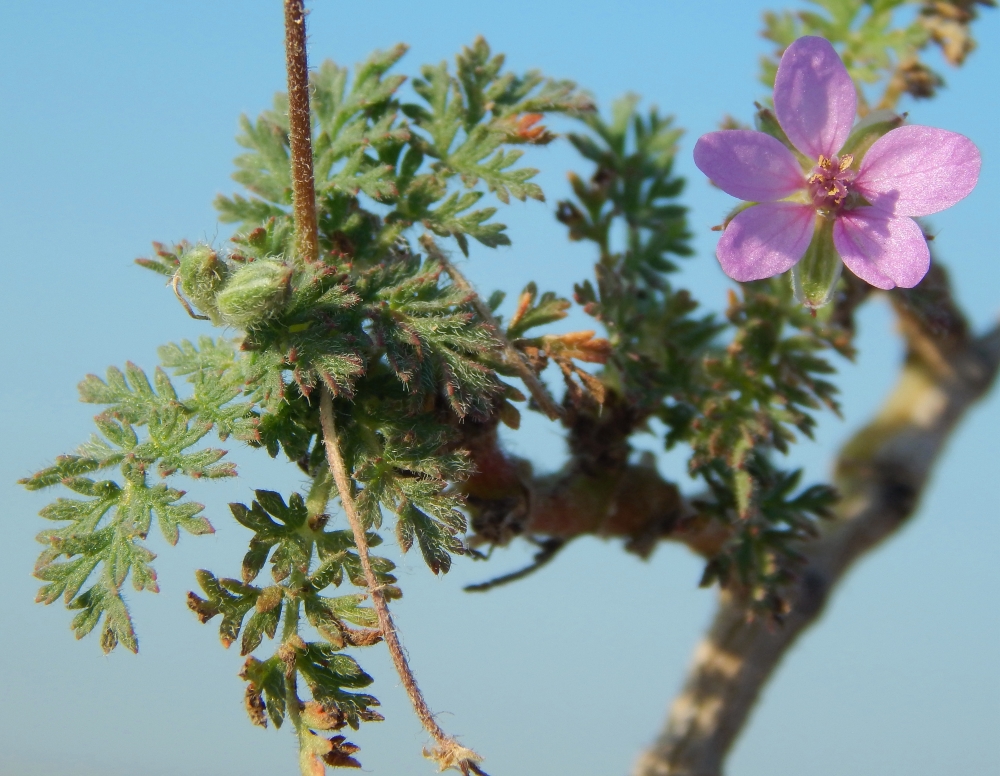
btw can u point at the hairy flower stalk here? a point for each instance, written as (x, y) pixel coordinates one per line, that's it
(838, 200)
(300, 130)
(448, 753)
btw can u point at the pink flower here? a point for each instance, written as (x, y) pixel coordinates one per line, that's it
(866, 203)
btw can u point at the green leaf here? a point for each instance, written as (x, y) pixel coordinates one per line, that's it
(228, 597)
(329, 675)
(435, 538)
(533, 312)
(102, 535)
(290, 545)
(266, 684)
(450, 219)
(98, 601)
(259, 625)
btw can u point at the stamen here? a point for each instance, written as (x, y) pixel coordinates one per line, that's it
(830, 181)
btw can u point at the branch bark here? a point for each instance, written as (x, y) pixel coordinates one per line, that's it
(881, 474)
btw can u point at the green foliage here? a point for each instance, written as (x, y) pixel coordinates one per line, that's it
(650, 325)
(215, 372)
(761, 557)
(296, 544)
(384, 329)
(103, 534)
(461, 129)
(870, 44)
(306, 558)
(873, 48)
(466, 121)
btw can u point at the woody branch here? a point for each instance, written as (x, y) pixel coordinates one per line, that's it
(881, 474)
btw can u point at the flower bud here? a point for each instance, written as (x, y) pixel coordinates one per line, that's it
(815, 277)
(202, 274)
(255, 292)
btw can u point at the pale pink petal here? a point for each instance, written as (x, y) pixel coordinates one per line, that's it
(765, 240)
(814, 97)
(916, 171)
(882, 249)
(749, 165)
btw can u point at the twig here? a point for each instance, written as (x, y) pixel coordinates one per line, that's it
(881, 474)
(547, 550)
(515, 358)
(300, 131)
(448, 753)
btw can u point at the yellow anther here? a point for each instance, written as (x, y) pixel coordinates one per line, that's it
(846, 161)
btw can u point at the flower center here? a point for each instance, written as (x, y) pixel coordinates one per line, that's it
(829, 183)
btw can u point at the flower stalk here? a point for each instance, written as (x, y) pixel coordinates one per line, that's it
(448, 753)
(300, 131)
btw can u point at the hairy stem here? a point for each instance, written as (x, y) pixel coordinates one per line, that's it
(514, 357)
(300, 131)
(881, 474)
(448, 753)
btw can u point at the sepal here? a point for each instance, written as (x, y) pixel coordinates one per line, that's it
(868, 130)
(814, 278)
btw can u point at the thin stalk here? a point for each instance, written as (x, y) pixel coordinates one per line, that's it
(300, 131)
(319, 493)
(448, 753)
(514, 357)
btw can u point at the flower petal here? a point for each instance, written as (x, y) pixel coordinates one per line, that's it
(916, 171)
(765, 240)
(882, 249)
(814, 97)
(749, 165)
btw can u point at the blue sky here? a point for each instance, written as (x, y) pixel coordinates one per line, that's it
(116, 128)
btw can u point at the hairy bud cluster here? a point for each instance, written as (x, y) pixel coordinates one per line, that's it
(244, 295)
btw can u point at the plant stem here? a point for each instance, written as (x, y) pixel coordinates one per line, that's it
(449, 754)
(319, 493)
(515, 358)
(300, 131)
